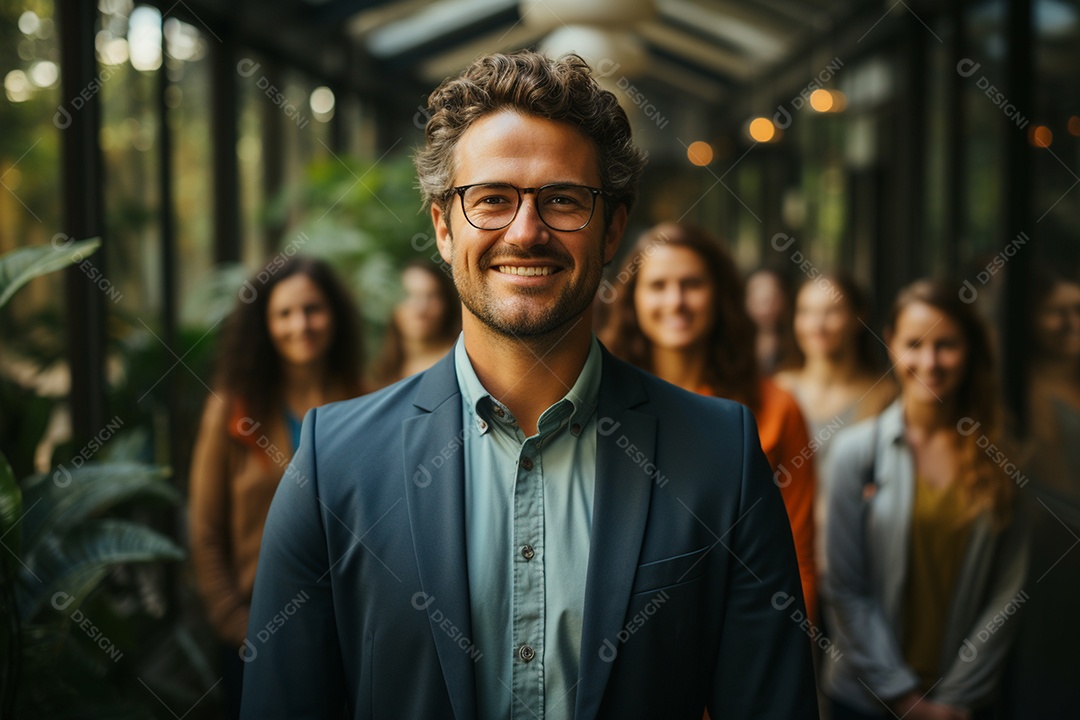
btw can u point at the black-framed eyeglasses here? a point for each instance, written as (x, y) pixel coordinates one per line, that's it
(493, 206)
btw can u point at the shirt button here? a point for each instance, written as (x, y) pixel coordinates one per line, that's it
(482, 425)
(526, 653)
(527, 463)
(528, 552)
(575, 429)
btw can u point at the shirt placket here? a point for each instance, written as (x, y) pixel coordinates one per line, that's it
(527, 672)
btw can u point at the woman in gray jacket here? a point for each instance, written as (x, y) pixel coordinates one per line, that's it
(926, 554)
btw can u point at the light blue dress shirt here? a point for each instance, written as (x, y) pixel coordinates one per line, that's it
(528, 515)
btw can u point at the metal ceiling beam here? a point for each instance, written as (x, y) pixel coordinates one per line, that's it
(730, 23)
(454, 61)
(338, 11)
(362, 23)
(703, 57)
(441, 26)
(675, 75)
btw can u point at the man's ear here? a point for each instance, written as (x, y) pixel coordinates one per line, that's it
(443, 236)
(613, 236)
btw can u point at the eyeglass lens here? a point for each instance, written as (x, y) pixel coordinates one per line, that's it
(561, 207)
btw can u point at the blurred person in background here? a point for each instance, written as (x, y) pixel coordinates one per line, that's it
(1044, 668)
(924, 547)
(835, 375)
(768, 303)
(681, 316)
(424, 325)
(1055, 383)
(292, 343)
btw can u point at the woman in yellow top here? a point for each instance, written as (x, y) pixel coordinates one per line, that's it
(291, 344)
(926, 557)
(679, 313)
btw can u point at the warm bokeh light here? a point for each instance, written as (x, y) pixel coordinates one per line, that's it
(29, 23)
(1040, 136)
(821, 100)
(762, 130)
(700, 153)
(17, 86)
(828, 101)
(1074, 126)
(321, 100)
(44, 73)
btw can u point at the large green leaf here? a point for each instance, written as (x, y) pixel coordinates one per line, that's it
(59, 500)
(22, 265)
(64, 572)
(10, 509)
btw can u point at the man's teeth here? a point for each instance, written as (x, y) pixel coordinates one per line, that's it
(527, 271)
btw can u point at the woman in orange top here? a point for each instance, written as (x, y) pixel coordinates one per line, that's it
(680, 315)
(291, 344)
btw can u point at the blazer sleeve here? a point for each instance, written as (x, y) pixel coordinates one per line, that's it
(856, 618)
(764, 668)
(977, 666)
(209, 525)
(293, 659)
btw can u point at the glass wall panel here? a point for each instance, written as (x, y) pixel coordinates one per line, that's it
(34, 378)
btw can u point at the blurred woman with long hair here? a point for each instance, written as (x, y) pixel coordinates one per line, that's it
(768, 302)
(424, 325)
(834, 375)
(924, 547)
(292, 343)
(681, 315)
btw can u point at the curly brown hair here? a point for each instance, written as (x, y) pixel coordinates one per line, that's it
(732, 366)
(530, 83)
(985, 485)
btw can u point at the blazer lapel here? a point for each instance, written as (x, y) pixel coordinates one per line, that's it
(435, 492)
(620, 511)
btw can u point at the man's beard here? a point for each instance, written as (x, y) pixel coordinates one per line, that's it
(530, 320)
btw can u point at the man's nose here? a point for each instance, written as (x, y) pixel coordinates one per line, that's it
(527, 229)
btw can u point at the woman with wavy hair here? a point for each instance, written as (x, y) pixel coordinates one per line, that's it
(679, 313)
(423, 326)
(292, 343)
(924, 548)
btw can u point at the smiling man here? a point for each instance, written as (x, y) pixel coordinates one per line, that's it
(531, 528)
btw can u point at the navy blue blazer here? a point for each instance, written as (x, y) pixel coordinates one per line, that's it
(362, 606)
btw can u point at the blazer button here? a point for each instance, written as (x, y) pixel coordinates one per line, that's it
(527, 463)
(528, 552)
(526, 653)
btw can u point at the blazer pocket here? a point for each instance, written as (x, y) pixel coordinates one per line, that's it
(676, 570)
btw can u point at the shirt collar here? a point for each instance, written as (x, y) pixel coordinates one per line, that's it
(580, 400)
